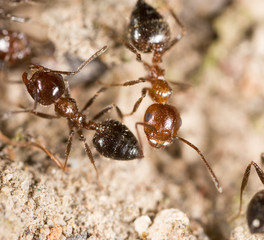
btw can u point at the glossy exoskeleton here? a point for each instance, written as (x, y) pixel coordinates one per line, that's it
(112, 138)
(149, 32)
(255, 210)
(116, 141)
(255, 213)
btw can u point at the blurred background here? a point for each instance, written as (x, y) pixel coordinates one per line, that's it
(221, 56)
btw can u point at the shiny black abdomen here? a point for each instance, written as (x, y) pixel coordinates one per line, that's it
(116, 141)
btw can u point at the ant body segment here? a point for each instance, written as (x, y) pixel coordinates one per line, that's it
(255, 210)
(112, 139)
(149, 33)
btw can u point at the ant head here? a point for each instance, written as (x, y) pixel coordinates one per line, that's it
(164, 122)
(255, 213)
(114, 140)
(14, 46)
(147, 28)
(44, 87)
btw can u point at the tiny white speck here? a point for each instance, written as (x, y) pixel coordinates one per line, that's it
(256, 223)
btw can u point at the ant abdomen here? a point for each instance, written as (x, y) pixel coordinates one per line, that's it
(162, 124)
(255, 213)
(147, 28)
(114, 140)
(44, 87)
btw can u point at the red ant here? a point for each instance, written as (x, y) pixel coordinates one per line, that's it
(255, 210)
(112, 139)
(149, 32)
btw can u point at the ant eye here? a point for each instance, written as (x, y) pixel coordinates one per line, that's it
(148, 116)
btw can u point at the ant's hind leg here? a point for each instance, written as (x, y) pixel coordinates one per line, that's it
(90, 155)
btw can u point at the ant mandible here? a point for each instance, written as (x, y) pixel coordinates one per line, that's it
(149, 32)
(255, 210)
(112, 138)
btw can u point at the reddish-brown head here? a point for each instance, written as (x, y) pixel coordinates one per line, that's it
(164, 121)
(44, 87)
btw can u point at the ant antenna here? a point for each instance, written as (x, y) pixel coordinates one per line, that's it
(97, 54)
(214, 178)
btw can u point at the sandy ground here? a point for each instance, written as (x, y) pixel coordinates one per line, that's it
(169, 193)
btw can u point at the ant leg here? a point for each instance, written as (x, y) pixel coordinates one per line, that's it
(138, 56)
(95, 55)
(129, 83)
(214, 178)
(89, 153)
(68, 148)
(181, 85)
(32, 144)
(138, 102)
(118, 110)
(133, 50)
(90, 102)
(39, 114)
(179, 36)
(244, 184)
(125, 84)
(138, 135)
(33, 111)
(107, 109)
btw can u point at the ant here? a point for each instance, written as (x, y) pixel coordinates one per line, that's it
(255, 210)
(112, 138)
(149, 32)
